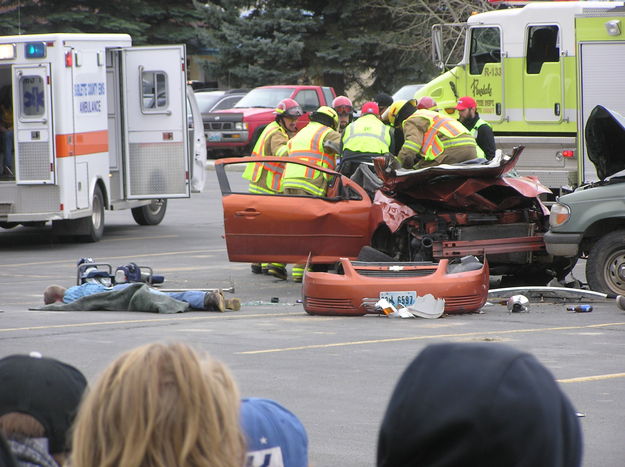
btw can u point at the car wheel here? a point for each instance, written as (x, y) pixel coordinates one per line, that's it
(151, 214)
(605, 267)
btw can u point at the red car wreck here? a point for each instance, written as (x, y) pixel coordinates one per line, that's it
(418, 216)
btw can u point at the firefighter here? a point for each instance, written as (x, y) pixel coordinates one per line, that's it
(317, 142)
(364, 138)
(427, 103)
(345, 110)
(429, 138)
(480, 129)
(265, 178)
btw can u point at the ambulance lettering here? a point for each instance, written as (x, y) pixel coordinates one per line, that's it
(89, 96)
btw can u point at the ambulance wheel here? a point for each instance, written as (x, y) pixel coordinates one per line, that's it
(94, 224)
(8, 225)
(151, 214)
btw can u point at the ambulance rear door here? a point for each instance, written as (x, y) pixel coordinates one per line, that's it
(153, 94)
(34, 143)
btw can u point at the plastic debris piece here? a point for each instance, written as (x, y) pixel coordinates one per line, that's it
(428, 307)
(518, 304)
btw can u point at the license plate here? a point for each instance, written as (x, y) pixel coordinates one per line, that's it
(214, 137)
(400, 298)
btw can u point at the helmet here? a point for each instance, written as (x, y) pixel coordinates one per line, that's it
(342, 105)
(288, 108)
(326, 116)
(425, 102)
(398, 112)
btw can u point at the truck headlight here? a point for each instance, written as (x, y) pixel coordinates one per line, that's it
(240, 126)
(560, 213)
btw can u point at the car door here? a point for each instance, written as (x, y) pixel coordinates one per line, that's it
(286, 228)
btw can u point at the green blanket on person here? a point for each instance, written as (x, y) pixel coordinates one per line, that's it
(135, 297)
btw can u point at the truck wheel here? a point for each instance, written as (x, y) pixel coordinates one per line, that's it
(94, 224)
(151, 214)
(605, 267)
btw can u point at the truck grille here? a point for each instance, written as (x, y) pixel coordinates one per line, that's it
(218, 126)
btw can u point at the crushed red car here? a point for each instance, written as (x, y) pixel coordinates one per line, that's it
(426, 215)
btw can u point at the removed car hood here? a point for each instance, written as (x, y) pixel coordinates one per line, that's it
(605, 141)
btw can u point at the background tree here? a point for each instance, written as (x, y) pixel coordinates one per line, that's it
(148, 22)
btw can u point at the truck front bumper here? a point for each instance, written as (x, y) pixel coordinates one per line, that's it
(563, 244)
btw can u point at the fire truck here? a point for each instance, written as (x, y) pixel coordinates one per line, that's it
(97, 124)
(536, 73)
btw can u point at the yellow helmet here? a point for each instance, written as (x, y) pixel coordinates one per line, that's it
(326, 116)
(402, 107)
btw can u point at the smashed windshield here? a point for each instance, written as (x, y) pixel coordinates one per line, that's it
(264, 98)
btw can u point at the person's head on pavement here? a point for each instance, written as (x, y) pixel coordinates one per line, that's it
(53, 294)
(478, 404)
(275, 436)
(39, 398)
(160, 405)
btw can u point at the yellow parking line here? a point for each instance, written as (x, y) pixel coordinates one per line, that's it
(437, 336)
(153, 320)
(584, 379)
(145, 255)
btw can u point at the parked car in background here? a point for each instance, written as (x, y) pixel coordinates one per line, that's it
(210, 101)
(591, 220)
(406, 92)
(235, 131)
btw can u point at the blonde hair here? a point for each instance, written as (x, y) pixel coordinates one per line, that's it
(53, 293)
(160, 405)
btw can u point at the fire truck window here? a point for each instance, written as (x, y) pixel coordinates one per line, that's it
(542, 46)
(485, 48)
(154, 95)
(32, 97)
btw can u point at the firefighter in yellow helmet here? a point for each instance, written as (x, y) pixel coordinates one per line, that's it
(318, 142)
(266, 177)
(429, 137)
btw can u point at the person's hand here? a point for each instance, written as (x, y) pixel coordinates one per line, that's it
(390, 164)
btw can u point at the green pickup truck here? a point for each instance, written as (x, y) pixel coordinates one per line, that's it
(591, 220)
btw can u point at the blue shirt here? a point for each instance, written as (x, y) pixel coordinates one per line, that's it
(82, 290)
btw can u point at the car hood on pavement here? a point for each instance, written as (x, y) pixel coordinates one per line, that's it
(605, 141)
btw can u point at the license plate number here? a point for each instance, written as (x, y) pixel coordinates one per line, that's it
(399, 298)
(214, 137)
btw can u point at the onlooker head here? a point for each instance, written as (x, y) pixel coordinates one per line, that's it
(384, 101)
(275, 437)
(370, 108)
(486, 405)
(467, 109)
(160, 405)
(426, 102)
(39, 398)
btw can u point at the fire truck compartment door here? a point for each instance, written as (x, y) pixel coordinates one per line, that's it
(154, 125)
(32, 124)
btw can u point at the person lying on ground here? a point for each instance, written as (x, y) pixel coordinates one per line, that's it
(197, 299)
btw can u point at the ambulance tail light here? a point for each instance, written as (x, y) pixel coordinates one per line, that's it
(69, 59)
(568, 153)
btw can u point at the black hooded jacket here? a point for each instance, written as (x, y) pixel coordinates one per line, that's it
(486, 405)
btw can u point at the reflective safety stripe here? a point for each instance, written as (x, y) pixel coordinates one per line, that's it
(259, 189)
(367, 134)
(307, 146)
(432, 146)
(303, 184)
(254, 170)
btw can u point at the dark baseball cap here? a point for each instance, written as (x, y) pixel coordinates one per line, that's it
(44, 388)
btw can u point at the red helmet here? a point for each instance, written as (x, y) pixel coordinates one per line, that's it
(342, 105)
(426, 102)
(288, 108)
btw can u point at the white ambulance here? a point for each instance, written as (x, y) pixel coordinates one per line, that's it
(97, 124)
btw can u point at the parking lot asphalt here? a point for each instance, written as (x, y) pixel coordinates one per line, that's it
(335, 373)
